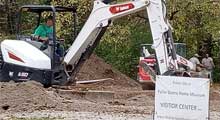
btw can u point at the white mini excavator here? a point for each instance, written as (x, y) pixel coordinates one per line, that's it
(23, 60)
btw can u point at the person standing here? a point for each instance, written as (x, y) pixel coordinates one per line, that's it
(196, 63)
(208, 64)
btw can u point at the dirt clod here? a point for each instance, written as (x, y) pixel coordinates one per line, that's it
(5, 107)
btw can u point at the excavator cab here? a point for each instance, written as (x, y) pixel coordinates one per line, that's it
(27, 58)
(180, 49)
(31, 16)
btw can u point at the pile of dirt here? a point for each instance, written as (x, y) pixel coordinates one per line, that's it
(27, 96)
(32, 96)
(96, 68)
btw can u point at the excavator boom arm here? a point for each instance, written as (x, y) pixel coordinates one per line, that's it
(103, 14)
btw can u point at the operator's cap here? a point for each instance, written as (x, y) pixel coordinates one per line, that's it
(197, 55)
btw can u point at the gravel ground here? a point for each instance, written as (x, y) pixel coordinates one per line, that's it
(89, 105)
(62, 115)
(117, 99)
(68, 115)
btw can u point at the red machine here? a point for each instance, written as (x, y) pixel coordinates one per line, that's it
(148, 57)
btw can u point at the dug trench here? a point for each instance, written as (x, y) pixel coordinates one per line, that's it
(117, 94)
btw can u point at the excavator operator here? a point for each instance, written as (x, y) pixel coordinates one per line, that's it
(44, 31)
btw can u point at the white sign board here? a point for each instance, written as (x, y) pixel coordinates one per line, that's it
(181, 98)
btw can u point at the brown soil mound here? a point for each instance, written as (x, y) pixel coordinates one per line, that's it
(28, 96)
(96, 68)
(31, 96)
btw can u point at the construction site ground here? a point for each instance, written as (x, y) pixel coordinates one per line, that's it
(116, 98)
